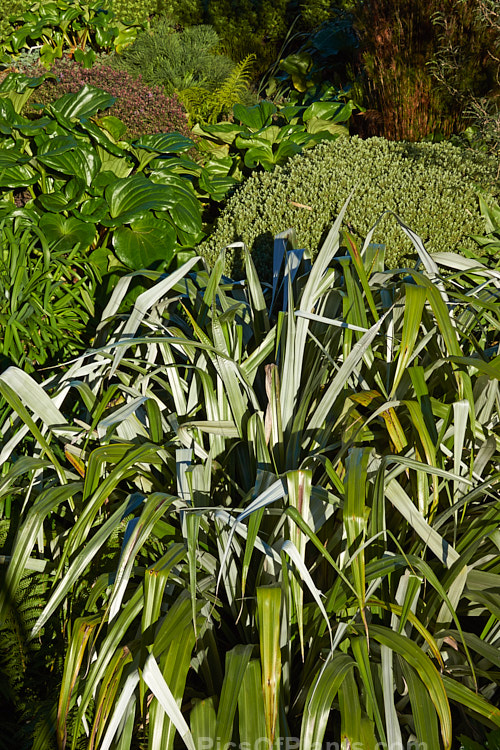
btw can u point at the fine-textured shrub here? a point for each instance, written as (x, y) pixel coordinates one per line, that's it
(399, 38)
(177, 60)
(135, 11)
(144, 109)
(432, 187)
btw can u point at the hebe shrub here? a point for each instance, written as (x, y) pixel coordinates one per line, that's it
(431, 187)
(143, 109)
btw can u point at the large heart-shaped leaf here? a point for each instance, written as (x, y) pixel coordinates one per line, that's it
(67, 232)
(336, 111)
(14, 172)
(131, 198)
(222, 131)
(255, 117)
(145, 242)
(67, 155)
(9, 118)
(165, 143)
(113, 125)
(53, 202)
(261, 153)
(86, 103)
(99, 136)
(186, 213)
(326, 126)
(93, 210)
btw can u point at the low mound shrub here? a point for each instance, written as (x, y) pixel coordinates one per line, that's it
(176, 60)
(143, 109)
(432, 187)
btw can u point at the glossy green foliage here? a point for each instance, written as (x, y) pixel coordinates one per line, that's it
(303, 480)
(75, 27)
(265, 135)
(126, 206)
(432, 187)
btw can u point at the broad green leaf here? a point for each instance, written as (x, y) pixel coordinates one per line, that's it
(86, 103)
(144, 242)
(165, 143)
(67, 233)
(131, 198)
(256, 116)
(251, 713)
(202, 720)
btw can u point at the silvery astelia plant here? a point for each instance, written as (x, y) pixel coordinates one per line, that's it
(269, 512)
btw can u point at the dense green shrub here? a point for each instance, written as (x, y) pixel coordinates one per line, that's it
(177, 60)
(432, 187)
(251, 26)
(143, 109)
(135, 11)
(10, 8)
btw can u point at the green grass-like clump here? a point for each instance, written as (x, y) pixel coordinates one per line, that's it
(432, 188)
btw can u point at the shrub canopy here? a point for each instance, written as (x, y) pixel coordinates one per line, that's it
(432, 187)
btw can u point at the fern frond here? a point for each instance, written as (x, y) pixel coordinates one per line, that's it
(236, 84)
(208, 106)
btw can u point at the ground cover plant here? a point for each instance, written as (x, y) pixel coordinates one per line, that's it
(433, 187)
(144, 109)
(268, 512)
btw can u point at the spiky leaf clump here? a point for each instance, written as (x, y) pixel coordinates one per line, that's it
(432, 187)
